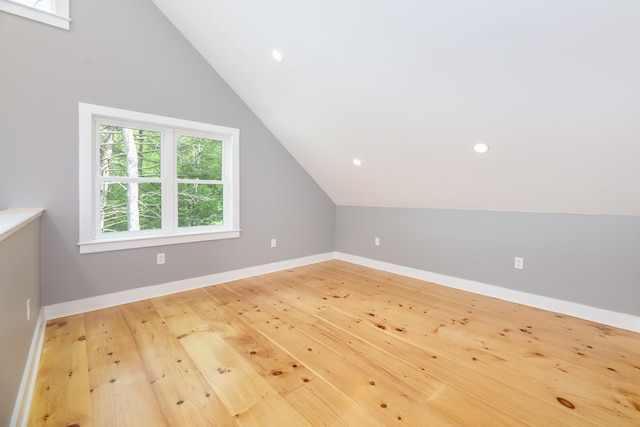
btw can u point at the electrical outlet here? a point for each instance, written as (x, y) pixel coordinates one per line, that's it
(160, 258)
(274, 243)
(28, 309)
(376, 241)
(518, 263)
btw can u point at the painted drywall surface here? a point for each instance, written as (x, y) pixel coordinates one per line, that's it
(126, 54)
(587, 259)
(19, 281)
(410, 86)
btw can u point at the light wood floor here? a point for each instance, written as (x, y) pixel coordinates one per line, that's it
(334, 344)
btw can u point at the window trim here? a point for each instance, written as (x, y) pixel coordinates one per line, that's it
(90, 242)
(60, 18)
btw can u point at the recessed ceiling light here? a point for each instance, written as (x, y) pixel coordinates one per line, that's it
(277, 55)
(481, 148)
(357, 162)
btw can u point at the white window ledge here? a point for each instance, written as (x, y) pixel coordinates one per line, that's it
(60, 19)
(116, 244)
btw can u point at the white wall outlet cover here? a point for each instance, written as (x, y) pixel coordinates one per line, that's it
(518, 263)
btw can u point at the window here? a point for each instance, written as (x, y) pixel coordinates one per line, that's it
(52, 12)
(149, 180)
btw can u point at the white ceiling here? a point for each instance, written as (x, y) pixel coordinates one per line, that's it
(408, 86)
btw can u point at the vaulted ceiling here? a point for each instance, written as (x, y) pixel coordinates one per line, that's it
(408, 87)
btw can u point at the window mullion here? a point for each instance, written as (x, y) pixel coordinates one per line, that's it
(96, 181)
(169, 185)
(226, 196)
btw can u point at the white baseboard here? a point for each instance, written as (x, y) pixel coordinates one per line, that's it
(607, 317)
(21, 409)
(110, 300)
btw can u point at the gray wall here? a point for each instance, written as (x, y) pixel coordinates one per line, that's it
(588, 259)
(126, 54)
(19, 281)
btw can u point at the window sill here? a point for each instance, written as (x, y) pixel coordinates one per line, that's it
(117, 244)
(25, 11)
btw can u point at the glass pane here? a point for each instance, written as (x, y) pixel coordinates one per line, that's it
(129, 152)
(130, 206)
(199, 158)
(199, 204)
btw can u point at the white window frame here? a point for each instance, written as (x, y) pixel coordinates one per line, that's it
(57, 17)
(92, 240)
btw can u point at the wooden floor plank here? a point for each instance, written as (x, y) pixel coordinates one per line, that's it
(61, 394)
(334, 344)
(184, 396)
(269, 301)
(324, 405)
(385, 396)
(286, 374)
(443, 298)
(283, 372)
(582, 349)
(501, 391)
(460, 409)
(176, 308)
(244, 392)
(121, 392)
(586, 382)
